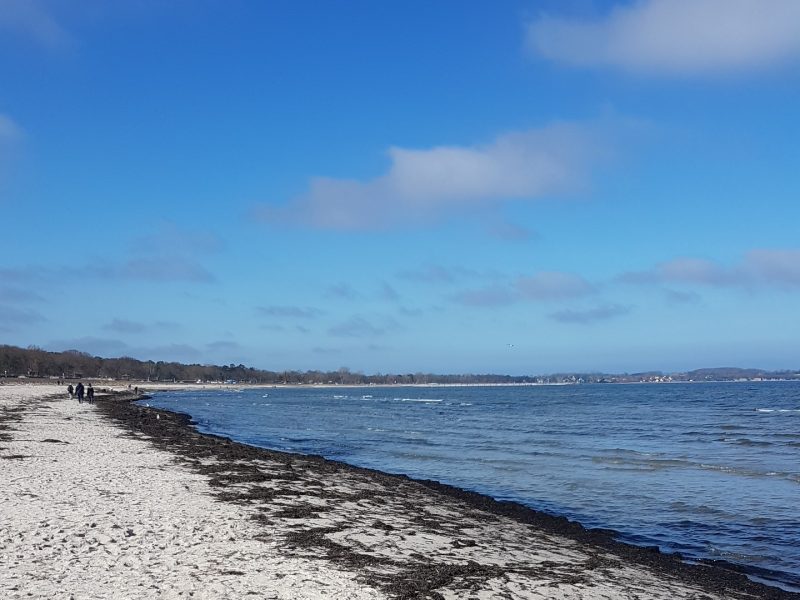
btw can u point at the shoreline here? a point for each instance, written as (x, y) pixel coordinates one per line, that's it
(305, 527)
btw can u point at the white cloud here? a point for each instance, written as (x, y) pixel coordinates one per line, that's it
(153, 269)
(510, 231)
(125, 326)
(553, 285)
(358, 326)
(14, 319)
(544, 286)
(758, 268)
(291, 312)
(437, 274)
(170, 239)
(775, 267)
(591, 315)
(675, 36)
(491, 296)
(424, 185)
(162, 269)
(107, 348)
(31, 19)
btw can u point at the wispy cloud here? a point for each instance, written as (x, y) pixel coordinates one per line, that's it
(778, 268)
(358, 326)
(342, 290)
(292, 312)
(14, 295)
(591, 315)
(153, 259)
(33, 20)
(490, 296)
(388, 293)
(544, 286)
(170, 239)
(125, 326)
(675, 36)
(13, 318)
(439, 274)
(110, 347)
(223, 346)
(428, 184)
(431, 274)
(774, 267)
(170, 254)
(684, 270)
(105, 347)
(680, 297)
(325, 351)
(503, 230)
(161, 269)
(553, 285)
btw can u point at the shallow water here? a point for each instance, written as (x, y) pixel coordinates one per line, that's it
(709, 470)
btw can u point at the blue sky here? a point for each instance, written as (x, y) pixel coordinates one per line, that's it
(519, 187)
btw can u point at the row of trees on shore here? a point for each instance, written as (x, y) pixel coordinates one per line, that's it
(33, 362)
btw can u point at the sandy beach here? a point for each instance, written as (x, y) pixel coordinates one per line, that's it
(114, 500)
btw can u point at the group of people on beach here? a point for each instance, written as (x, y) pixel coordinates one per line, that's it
(79, 392)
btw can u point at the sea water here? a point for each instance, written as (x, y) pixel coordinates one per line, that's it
(710, 470)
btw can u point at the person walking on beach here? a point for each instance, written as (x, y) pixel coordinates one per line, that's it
(90, 394)
(70, 391)
(79, 392)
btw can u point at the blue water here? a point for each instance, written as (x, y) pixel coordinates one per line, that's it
(708, 470)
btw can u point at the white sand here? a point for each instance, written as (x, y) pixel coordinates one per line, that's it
(101, 513)
(106, 516)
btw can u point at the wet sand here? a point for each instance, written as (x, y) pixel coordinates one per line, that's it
(118, 500)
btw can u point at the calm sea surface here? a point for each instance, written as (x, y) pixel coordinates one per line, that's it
(709, 470)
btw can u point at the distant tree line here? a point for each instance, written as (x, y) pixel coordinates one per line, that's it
(72, 364)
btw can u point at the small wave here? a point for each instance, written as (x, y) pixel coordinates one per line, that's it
(419, 399)
(625, 452)
(366, 397)
(746, 442)
(339, 397)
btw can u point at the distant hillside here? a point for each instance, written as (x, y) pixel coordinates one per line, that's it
(73, 364)
(727, 373)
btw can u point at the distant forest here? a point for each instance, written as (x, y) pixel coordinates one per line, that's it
(33, 362)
